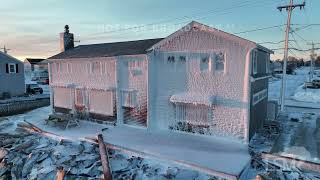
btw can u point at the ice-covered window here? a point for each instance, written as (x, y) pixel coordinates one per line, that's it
(267, 63)
(259, 96)
(254, 62)
(171, 59)
(103, 67)
(182, 59)
(69, 67)
(205, 64)
(79, 97)
(58, 67)
(96, 68)
(198, 115)
(220, 61)
(129, 98)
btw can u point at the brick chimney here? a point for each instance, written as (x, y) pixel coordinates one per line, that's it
(66, 40)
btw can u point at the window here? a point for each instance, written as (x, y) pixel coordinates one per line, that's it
(254, 62)
(260, 96)
(96, 67)
(69, 67)
(79, 97)
(129, 98)
(267, 63)
(89, 68)
(182, 59)
(12, 68)
(220, 62)
(193, 114)
(58, 67)
(205, 64)
(171, 59)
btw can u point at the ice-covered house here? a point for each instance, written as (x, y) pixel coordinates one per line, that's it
(197, 80)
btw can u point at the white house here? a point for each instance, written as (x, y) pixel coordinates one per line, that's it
(198, 80)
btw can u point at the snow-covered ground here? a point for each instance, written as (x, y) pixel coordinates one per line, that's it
(307, 95)
(296, 95)
(293, 82)
(205, 154)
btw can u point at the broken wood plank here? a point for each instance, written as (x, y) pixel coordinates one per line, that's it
(60, 173)
(301, 164)
(104, 158)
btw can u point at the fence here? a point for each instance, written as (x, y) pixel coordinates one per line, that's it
(17, 107)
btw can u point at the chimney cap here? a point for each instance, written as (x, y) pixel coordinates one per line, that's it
(66, 28)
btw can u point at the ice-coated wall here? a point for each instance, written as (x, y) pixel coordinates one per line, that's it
(229, 115)
(133, 82)
(103, 81)
(97, 73)
(95, 78)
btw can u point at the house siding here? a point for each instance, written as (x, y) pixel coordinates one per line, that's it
(258, 112)
(116, 75)
(229, 115)
(12, 83)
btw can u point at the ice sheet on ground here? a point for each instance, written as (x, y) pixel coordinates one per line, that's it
(222, 155)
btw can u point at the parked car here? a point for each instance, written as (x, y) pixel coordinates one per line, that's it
(33, 89)
(316, 82)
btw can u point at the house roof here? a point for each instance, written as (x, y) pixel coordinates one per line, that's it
(7, 57)
(108, 49)
(203, 27)
(34, 60)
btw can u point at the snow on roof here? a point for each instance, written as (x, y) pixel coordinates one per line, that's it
(192, 98)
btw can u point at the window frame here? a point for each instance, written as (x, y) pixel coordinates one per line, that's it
(267, 63)
(222, 70)
(205, 64)
(254, 62)
(14, 68)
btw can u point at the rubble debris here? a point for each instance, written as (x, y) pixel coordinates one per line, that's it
(25, 154)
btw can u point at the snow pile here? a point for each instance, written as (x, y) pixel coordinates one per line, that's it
(307, 95)
(292, 82)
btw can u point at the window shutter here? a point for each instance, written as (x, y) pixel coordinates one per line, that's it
(7, 68)
(17, 68)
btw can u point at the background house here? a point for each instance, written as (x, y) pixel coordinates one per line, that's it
(36, 69)
(11, 76)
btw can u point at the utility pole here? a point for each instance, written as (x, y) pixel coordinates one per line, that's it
(312, 56)
(5, 50)
(289, 9)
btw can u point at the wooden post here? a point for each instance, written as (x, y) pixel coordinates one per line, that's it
(104, 158)
(60, 173)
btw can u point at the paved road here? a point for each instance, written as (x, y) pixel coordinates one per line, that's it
(300, 139)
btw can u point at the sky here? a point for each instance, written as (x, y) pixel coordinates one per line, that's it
(31, 28)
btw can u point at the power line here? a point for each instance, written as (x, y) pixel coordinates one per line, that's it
(289, 9)
(223, 11)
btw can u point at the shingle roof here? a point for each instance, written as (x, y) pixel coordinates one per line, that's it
(108, 49)
(4, 56)
(34, 60)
